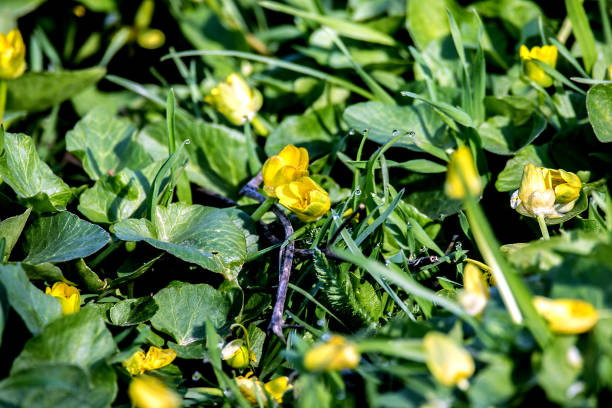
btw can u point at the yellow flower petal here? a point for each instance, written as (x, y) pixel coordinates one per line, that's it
(12, 55)
(68, 296)
(462, 173)
(158, 358)
(149, 392)
(336, 354)
(566, 316)
(277, 387)
(305, 198)
(449, 363)
(287, 166)
(546, 54)
(235, 99)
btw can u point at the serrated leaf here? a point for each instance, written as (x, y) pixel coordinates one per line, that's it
(381, 121)
(10, 230)
(201, 235)
(106, 144)
(31, 178)
(36, 91)
(62, 237)
(133, 311)
(216, 153)
(314, 130)
(599, 107)
(35, 308)
(81, 339)
(183, 311)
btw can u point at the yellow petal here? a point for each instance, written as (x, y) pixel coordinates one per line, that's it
(336, 354)
(449, 363)
(158, 358)
(566, 316)
(134, 365)
(462, 173)
(149, 392)
(277, 387)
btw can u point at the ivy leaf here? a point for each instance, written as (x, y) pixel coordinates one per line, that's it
(62, 237)
(106, 144)
(183, 310)
(31, 178)
(201, 235)
(35, 308)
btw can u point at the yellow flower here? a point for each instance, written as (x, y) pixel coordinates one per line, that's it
(12, 55)
(449, 363)
(305, 198)
(235, 99)
(277, 388)
(546, 54)
(289, 165)
(547, 192)
(566, 316)
(250, 387)
(475, 295)
(154, 359)
(336, 354)
(462, 172)
(149, 392)
(236, 354)
(68, 296)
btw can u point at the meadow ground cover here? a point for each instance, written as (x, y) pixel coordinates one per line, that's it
(310, 203)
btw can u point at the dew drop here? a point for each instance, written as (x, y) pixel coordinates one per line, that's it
(326, 337)
(321, 322)
(404, 93)
(352, 132)
(357, 191)
(196, 376)
(412, 133)
(205, 360)
(227, 392)
(395, 133)
(187, 141)
(365, 132)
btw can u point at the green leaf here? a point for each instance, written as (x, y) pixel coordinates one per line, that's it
(18, 8)
(500, 135)
(456, 114)
(381, 121)
(184, 308)
(35, 308)
(133, 311)
(314, 130)
(599, 107)
(582, 32)
(30, 177)
(557, 373)
(36, 91)
(45, 271)
(509, 179)
(215, 152)
(106, 144)
(62, 237)
(201, 235)
(117, 197)
(10, 230)
(494, 384)
(81, 339)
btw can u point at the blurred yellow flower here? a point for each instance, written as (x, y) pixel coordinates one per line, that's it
(154, 359)
(305, 198)
(546, 192)
(236, 354)
(475, 293)
(461, 166)
(335, 354)
(546, 54)
(566, 316)
(449, 363)
(235, 99)
(149, 392)
(289, 165)
(12, 55)
(68, 296)
(277, 388)
(252, 388)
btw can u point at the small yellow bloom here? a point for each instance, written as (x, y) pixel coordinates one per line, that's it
(475, 295)
(250, 387)
(546, 54)
(68, 296)
(134, 364)
(566, 316)
(449, 363)
(149, 392)
(462, 172)
(154, 359)
(236, 354)
(336, 354)
(277, 388)
(235, 99)
(305, 198)
(547, 192)
(289, 165)
(12, 55)
(151, 38)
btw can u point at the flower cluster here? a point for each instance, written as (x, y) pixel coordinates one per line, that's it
(546, 192)
(546, 54)
(154, 359)
(285, 177)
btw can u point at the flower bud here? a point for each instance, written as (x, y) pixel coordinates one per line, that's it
(149, 392)
(235, 99)
(305, 198)
(449, 363)
(566, 316)
(68, 296)
(287, 166)
(12, 55)
(236, 354)
(462, 173)
(475, 293)
(335, 354)
(547, 54)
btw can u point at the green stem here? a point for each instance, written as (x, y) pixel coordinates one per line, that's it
(543, 227)
(259, 126)
(262, 209)
(3, 87)
(253, 160)
(171, 142)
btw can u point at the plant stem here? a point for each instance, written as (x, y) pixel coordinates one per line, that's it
(3, 87)
(253, 160)
(259, 127)
(543, 227)
(262, 209)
